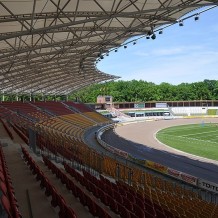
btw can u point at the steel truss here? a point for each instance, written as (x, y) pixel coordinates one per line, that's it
(50, 46)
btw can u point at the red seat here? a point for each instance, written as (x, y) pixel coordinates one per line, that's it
(91, 205)
(130, 196)
(112, 204)
(103, 197)
(118, 197)
(48, 187)
(139, 202)
(7, 206)
(101, 212)
(137, 210)
(123, 211)
(127, 203)
(2, 177)
(54, 201)
(73, 188)
(3, 188)
(82, 196)
(69, 213)
(62, 205)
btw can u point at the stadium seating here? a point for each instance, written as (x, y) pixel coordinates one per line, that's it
(139, 195)
(78, 106)
(94, 208)
(57, 199)
(8, 199)
(55, 108)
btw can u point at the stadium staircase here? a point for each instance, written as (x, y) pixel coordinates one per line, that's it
(117, 113)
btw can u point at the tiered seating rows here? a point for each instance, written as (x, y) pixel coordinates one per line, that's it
(153, 188)
(56, 108)
(8, 199)
(7, 129)
(61, 128)
(94, 208)
(79, 120)
(96, 117)
(118, 201)
(79, 106)
(57, 199)
(26, 109)
(20, 133)
(4, 112)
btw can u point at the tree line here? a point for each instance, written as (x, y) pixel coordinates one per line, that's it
(134, 91)
(141, 91)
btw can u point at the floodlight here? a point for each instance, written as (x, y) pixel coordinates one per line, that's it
(153, 36)
(181, 23)
(197, 17)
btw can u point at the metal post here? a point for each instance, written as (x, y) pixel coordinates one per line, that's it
(32, 140)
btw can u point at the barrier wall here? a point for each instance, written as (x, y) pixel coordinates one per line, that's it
(192, 180)
(210, 186)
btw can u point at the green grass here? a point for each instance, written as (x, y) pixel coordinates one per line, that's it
(198, 139)
(212, 111)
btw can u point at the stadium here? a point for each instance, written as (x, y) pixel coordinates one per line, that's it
(69, 159)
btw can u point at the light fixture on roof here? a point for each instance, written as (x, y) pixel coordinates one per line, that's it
(116, 50)
(102, 57)
(107, 54)
(196, 17)
(160, 31)
(181, 23)
(134, 43)
(125, 46)
(150, 32)
(153, 36)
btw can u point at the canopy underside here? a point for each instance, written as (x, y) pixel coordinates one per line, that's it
(50, 46)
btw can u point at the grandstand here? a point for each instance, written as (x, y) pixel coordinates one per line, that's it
(48, 168)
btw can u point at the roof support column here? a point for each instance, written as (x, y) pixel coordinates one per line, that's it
(3, 96)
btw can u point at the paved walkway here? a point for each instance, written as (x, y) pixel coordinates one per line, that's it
(23, 180)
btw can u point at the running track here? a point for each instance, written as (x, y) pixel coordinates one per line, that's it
(139, 140)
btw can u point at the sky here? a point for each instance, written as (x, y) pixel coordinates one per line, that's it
(180, 55)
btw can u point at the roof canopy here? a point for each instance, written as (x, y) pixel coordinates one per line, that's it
(50, 46)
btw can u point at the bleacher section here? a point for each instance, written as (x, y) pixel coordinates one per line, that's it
(55, 108)
(188, 111)
(116, 188)
(8, 200)
(78, 106)
(57, 199)
(26, 110)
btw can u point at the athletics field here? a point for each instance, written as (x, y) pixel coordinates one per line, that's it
(198, 139)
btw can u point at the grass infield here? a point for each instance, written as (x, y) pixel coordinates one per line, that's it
(198, 139)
